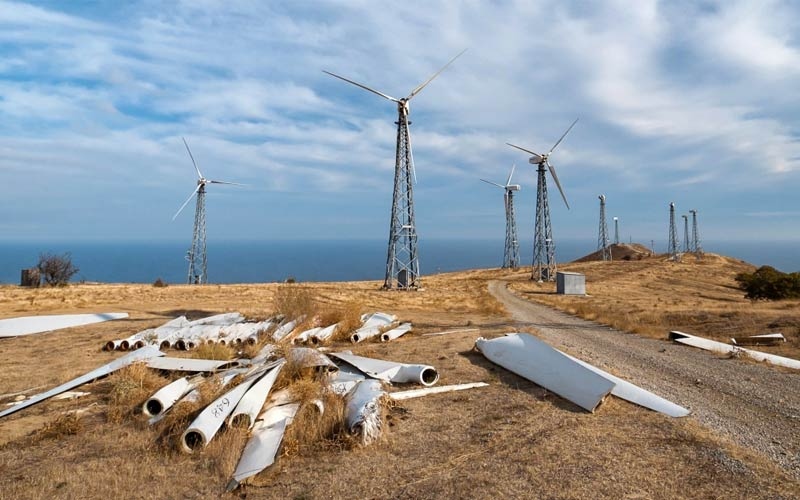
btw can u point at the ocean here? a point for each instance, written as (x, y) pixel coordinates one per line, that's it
(265, 261)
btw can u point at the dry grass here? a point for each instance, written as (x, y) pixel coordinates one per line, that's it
(66, 424)
(214, 351)
(653, 296)
(508, 440)
(295, 301)
(129, 388)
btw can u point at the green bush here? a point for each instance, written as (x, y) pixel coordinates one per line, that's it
(769, 284)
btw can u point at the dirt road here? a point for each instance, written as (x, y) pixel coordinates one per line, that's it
(755, 405)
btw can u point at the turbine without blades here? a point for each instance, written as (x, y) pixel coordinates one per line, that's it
(402, 262)
(197, 253)
(544, 259)
(511, 249)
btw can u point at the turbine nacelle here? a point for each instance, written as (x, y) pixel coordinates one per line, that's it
(513, 187)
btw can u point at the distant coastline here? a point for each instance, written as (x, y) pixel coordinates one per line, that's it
(264, 261)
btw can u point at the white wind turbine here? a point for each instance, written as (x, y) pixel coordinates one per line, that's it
(197, 253)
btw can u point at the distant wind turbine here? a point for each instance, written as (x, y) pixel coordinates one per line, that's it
(197, 253)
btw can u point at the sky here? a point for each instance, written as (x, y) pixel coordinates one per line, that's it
(692, 102)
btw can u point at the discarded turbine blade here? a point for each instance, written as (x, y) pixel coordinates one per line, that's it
(199, 175)
(417, 393)
(448, 332)
(253, 400)
(372, 326)
(562, 137)
(635, 394)
(543, 365)
(191, 365)
(205, 426)
(26, 325)
(429, 80)
(163, 399)
(389, 371)
(719, 347)
(306, 357)
(362, 86)
(144, 353)
(558, 184)
(260, 451)
(396, 332)
(187, 201)
(764, 339)
(363, 410)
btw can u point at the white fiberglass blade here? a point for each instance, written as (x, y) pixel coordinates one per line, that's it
(26, 325)
(199, 175)
(429, 80)
(535, 156)
(510, 174)
(493, 183)
(362, 86)
(558, 184)
(225, 182)
(562, 137)
(187, 201)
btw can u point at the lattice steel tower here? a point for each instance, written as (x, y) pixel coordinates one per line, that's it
(685, 233)
(673, 234)
(198, 264)
(697, 247)
(511, 252)
(616, 230)
(544, 248)
(602, 234)
(402, 261)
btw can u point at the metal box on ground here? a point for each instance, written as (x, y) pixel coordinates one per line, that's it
(570, 283)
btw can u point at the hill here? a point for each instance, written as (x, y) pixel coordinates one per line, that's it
(621, 251)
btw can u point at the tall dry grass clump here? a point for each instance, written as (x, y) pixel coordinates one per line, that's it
(214, 351)
(66, 424)
(319, 423)
(346, 315)
(294, 301)
(130, 387)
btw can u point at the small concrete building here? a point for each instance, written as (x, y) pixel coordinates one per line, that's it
(570, 283)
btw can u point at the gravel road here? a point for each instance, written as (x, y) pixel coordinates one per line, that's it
(755, 405)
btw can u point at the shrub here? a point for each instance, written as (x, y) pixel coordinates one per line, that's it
(56, 270)
(294, 301)
(769, 284)
(159, 283)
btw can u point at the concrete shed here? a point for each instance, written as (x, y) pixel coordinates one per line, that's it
(570, 283)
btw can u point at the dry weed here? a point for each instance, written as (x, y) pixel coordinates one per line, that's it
(294, 301)
(130, 387)
(319, 423)
(214, 351)
(66, 424)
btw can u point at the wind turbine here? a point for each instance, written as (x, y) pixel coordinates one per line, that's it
(402, 262)
(544, 248)
(511, 252)
(197, 253)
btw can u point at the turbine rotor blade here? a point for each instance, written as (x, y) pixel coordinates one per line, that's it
(493, 183)
(562, 137)
(508, 182)
(429, 80)
(199, 175)
(537, 155)
(411, 155)
(558, 184)
(187, 201)
(225, 182)
(362, 86)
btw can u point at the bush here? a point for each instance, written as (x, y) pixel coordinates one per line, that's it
(769, 284)
(159, 283)
(294, 301)
(56, 270)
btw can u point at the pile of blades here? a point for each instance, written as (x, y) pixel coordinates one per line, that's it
(232, 329)
(247, 394)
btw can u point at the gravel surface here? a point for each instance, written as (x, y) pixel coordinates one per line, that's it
(755, 405)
